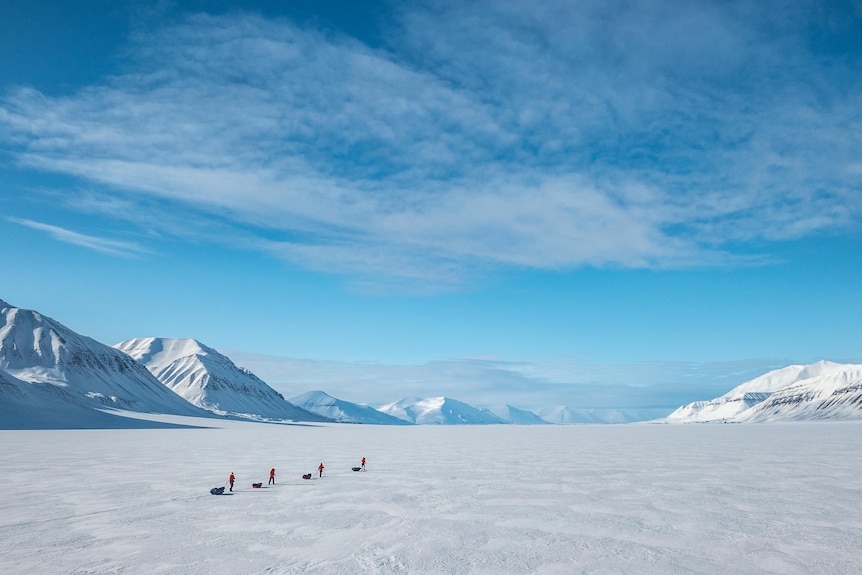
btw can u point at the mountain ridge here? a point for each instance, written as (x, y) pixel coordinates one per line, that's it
(343, 411)
(439, 411)
(821, 390)
(61, 378)
(210, 380)
(54, 377)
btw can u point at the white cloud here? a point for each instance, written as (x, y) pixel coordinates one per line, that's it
(548, 136)
(103, 245)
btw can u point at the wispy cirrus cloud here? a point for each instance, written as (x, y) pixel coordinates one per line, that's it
(103, 245)
(479, 135)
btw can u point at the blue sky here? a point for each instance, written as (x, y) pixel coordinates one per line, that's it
(601, 203)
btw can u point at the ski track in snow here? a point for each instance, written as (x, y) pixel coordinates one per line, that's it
(634, 499)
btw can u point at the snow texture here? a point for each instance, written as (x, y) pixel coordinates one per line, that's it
(211, 380)
(598, 499)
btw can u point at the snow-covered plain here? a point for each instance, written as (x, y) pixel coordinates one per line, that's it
(740, 499)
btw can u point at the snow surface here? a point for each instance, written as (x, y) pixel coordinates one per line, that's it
(636, 499)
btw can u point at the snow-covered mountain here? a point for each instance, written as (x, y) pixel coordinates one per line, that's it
(439, 411)
(211, 380)
(822, 390)
(330, 407)
(26, 405)
(516, 415)
(41, 406)
(52, 373)
(566, 414)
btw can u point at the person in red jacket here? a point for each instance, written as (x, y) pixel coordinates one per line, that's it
(231, 479)
(363, 464)
(320, 469)
(271, 476)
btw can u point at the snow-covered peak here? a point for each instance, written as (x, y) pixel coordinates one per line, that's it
(39, 350)
(516, 415)
(817, 391)
(323, 404)
(211, 380)
(161, 351)
(780, 378)
(316, 397)
(30, 340)
(440, 411)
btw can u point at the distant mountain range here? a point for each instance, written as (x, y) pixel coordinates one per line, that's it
(439, 411)
(335, 409)
(54, 378)
(822, 390)
(566, 414)
(516, 415)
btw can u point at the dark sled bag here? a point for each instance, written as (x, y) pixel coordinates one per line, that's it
(356, 468)
(217, 490)
(307, 476)
(256, 485)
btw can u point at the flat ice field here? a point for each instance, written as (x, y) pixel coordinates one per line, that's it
(637, 499)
